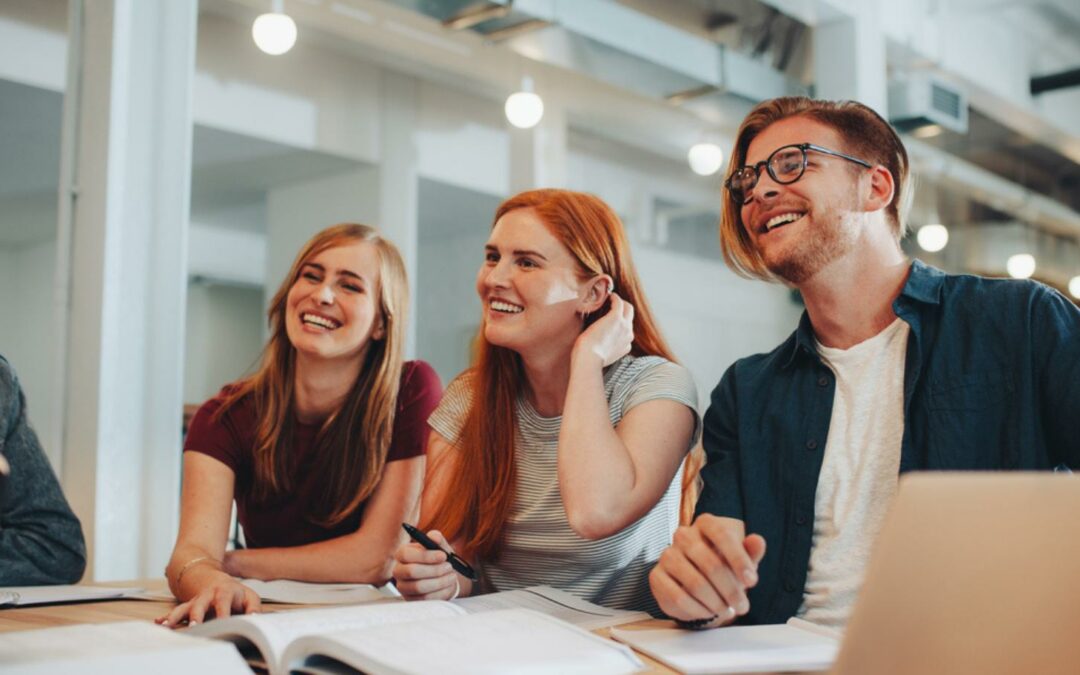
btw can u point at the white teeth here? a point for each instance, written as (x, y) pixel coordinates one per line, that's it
(500, 306)
(317, 320)
(782, 219)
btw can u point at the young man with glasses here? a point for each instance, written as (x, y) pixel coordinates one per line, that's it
(895, 366)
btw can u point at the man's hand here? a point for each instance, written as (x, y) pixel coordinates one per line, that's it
(707, 569)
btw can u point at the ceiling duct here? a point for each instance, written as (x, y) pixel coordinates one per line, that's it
(951, 172)
(922, 100)
(620, 46)
(987, 247)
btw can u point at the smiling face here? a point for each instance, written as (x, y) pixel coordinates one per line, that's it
(530, 286)
(802, 227)
(332, 310)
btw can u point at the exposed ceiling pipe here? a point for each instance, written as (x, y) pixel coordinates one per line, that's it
(472, 16)
(1054, 81)
(988, 188)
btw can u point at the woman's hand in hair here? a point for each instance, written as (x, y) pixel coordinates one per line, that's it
(421, 574)
(610, 337)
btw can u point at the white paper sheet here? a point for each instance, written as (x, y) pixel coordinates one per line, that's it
(41, 595)
(126, 647)
(735, 649)
(304, 593)
(553, 602)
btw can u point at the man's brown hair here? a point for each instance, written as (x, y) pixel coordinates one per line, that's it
(865, 135)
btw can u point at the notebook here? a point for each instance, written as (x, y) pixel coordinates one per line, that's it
(795, 646)
(972, 573)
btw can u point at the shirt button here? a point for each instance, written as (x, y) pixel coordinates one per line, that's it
(823, 381)
(811, 444)
(789, 587)
(800, 520)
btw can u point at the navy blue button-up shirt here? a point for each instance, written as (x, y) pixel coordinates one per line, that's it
(991, 381)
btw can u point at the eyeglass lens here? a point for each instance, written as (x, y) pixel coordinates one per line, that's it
(785, 165)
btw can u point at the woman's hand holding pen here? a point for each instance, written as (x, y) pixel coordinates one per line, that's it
(610, 337)
(421, 574)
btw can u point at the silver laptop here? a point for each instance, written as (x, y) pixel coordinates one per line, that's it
(972, 573)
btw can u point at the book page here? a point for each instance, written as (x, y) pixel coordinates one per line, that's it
(553, 602)
(130, 646)
(502, 641)
(273, 632)
(40, 595)
(734, 649)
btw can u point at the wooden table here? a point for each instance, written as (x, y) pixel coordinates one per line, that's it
(107, 611)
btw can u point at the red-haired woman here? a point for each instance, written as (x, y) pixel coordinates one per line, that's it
(555, 458)
(322, 448)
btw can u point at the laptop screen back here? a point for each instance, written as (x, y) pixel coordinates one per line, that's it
(972, 573)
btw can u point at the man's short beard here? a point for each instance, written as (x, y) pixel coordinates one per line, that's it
(818, 247)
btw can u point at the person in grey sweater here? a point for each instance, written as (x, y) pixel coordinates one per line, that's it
(41, 540)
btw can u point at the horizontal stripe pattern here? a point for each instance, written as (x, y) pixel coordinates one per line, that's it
(540, 547)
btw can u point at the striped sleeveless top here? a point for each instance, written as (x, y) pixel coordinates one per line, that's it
(539, 546)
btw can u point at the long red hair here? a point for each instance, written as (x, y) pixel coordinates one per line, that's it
(483, 467)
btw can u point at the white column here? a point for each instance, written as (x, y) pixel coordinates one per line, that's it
(849, 58)
(399, 192)
(129, 153)
(538, 155)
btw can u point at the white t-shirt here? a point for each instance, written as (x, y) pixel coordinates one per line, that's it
(859, 471)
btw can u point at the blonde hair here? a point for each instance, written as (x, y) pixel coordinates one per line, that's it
(865, 134)
(357, 436)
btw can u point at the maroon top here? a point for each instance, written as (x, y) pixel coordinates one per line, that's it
(284, 521)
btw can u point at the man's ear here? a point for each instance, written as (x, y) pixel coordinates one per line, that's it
(882, 189)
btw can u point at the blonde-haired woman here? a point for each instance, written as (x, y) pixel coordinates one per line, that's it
(555, 458)
(322, 449)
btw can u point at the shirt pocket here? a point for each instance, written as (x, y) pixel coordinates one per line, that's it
(971, 422)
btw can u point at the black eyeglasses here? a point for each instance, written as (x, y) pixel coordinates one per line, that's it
(785, 165)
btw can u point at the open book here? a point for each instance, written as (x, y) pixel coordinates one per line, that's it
(490, 633)
(126, 647)
(795, 646)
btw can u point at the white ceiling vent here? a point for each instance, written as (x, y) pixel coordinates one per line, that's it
(921, 100)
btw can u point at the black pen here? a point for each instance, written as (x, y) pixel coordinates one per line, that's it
(460, 566)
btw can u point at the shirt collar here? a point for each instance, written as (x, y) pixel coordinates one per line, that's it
(924, 284)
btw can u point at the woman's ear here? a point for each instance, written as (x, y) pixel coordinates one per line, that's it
(379, 331)
(600, 288)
